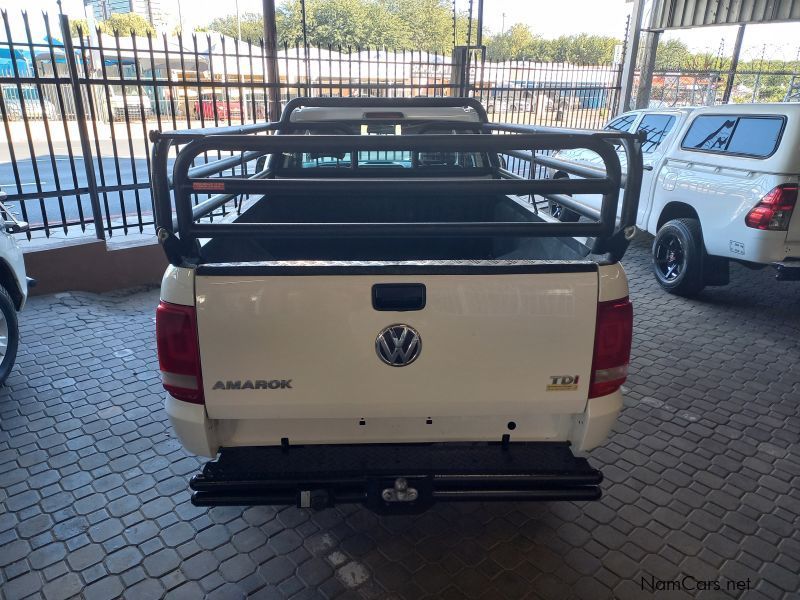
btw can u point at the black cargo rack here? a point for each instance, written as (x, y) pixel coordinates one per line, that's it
(179, 235)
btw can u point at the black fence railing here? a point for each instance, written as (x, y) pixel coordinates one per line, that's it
(77, 109)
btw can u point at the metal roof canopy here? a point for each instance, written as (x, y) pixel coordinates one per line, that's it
(684, 14)
(677, 14)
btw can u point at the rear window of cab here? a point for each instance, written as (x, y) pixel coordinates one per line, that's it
(736, 135)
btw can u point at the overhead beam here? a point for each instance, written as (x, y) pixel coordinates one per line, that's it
(677, 14)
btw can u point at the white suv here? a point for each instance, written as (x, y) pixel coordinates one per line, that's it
(13, 288)
(720, 183)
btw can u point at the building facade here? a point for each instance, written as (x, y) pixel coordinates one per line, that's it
(151, 10)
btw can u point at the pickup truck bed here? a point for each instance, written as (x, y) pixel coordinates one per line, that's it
(389, 207)
(394, 333)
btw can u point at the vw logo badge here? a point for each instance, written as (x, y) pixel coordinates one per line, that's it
(398, 345)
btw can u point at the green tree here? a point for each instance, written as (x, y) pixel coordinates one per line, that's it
(396, 24)
(352, 23)
(672, 54)
(518, 42)
(252, 25)
(126, 24)
(78, 27)
(587, 49)
(427, 24)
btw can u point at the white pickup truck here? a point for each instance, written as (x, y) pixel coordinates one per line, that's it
(720, 183)
(383, 317)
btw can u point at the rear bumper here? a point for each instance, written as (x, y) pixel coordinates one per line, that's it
(204, 436)
(395, 478)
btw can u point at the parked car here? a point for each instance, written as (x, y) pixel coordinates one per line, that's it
(513, 103)
(218, 106)
(720, 184)
(13, 288)
(135, 102)
(35, 107)
(395, 331)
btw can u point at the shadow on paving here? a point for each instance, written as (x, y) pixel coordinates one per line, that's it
(701, 475)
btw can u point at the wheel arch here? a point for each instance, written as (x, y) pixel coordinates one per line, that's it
(676, 210)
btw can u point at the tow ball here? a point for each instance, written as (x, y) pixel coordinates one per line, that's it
(401, 492)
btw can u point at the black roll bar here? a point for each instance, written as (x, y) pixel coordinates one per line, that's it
(180, 236)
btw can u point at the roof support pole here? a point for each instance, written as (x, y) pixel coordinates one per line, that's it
(631, 53)
(479, 41)
(737, 48)
(271, 48)
(648, 65)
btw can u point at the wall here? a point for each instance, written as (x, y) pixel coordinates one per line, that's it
(93, 267)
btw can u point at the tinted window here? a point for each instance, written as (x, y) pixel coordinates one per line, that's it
(623, 123)
(657, 128)
(749, 136)
(709, 133)
(756, 136)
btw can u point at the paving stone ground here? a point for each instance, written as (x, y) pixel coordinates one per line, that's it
(701, 475)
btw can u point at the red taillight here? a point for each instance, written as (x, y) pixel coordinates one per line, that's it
(774, 210)
(612, 346)
(179, 351)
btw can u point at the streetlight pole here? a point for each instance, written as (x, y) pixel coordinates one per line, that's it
(303, 16)
(180, 17)
(238, 23)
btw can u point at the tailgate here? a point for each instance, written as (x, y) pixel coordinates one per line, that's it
(282, 341)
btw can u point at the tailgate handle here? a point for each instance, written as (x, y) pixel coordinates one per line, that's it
(398, 296)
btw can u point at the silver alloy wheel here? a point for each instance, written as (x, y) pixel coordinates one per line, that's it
(3, 336)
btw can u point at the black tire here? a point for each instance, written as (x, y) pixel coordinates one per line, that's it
(559, 211)
(563, 214)
(679, 256)
(9, 316)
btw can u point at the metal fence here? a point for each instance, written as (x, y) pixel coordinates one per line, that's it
(77, 109)
(693, 87)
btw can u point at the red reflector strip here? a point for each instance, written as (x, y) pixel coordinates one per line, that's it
(208, 186)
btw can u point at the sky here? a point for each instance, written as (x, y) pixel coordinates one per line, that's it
(544, 17)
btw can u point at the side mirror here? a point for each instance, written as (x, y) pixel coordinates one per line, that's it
(15, 226)
(11, 224)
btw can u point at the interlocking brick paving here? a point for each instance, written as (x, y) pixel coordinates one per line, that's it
(701, 475)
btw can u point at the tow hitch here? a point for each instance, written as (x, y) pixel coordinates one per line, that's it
(395, 478)
(400, 492)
